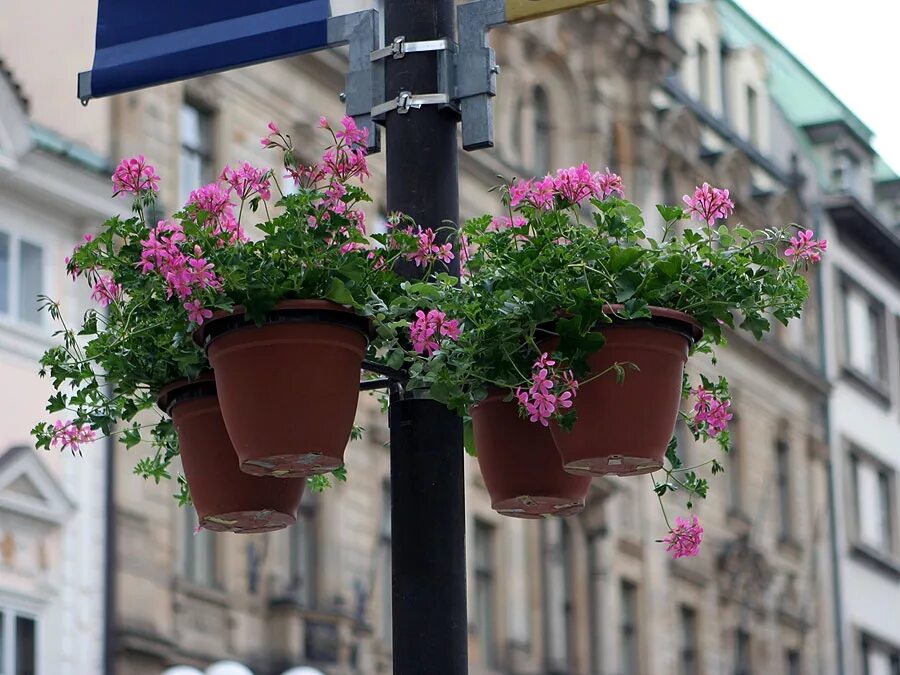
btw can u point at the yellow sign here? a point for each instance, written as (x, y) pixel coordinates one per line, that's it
(523, 10)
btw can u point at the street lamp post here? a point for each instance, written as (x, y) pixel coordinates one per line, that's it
(427, 492)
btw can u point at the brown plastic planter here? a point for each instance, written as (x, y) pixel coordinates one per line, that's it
(520, 465)
(288, 388)
(226, 499)
(624, 429)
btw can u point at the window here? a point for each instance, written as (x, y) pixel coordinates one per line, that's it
(845, 171)
(629, 628)
(386, 585)
(485, 616)
(21, 279)
(752, 116)
(557, 594)
(303, 554)
(878, 658)
(195, 166)
(872, 488)
(18, 643)
(733, 468)
(704, 91)
(792, 663)
(864, 334)
(742, 658)
(542, 131)
(688, 641)
(783, 480)
(199, 552)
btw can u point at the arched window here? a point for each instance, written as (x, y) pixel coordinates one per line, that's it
(542, 130)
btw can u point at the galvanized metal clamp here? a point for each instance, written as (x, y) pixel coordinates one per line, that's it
(406, 100)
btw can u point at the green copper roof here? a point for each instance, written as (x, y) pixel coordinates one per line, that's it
(802, 96)
(52, 142)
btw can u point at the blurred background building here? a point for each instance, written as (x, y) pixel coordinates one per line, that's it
(801, 560)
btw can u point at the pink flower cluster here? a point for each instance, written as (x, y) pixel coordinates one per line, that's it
(711, 411)
(427, 330)
(247, 180)
(216, 202)
(106, 290)
(71, 436)
(684, 540)
(572, 185)
(429, 251)
(184, 274)
(806, 247)
(347, 159)
(709, 203)
(539, 402)
(134, 176)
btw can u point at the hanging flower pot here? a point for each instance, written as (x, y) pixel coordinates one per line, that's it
(288, 388)
(520, 465)
(226, 499)
(624, 428)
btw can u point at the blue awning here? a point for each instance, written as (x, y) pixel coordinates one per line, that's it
(141, 44)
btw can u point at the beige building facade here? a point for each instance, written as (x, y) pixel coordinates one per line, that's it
(650, 90)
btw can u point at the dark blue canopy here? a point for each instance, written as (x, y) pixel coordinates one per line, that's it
(141, 44)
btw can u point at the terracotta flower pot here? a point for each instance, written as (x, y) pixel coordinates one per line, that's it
(226, 499)
(288, 388)
(624, 429)
(520, 465)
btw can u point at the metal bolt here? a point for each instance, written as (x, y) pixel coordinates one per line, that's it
(495, 69)
(343, 97)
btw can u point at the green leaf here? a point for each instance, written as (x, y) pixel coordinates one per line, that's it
(620, 258)
(670, 213)
(469, 438)
(338, 292)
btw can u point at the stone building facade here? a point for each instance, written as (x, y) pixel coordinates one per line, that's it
(52, 509)
(668, 94)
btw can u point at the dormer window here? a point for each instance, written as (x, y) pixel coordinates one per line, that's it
(844, 171)
(704, 88)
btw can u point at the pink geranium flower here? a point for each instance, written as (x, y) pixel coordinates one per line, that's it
(683, 540)
(134, 176)
(709, 204)
(247, 181)
(426, 331)
(805, 246)
(106, 290)
(71, 436)
(197, 313)
(711, 411)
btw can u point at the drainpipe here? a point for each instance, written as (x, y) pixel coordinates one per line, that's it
(829, 468)
(109, 563)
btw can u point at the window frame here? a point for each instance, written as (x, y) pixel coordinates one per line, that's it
(629, 626)
(189, 555)
(704, 81)
(784, 486)
(688, 654)
(880, 384)
(13, 315)
(206, 155)
(867, 641)
(484, 572)
(855, 455)
(9, 616)
(300, 554)
(751, 98)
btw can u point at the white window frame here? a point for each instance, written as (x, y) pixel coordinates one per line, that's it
(857, 456)
(879, 381)
(12, 317)
(12, 608)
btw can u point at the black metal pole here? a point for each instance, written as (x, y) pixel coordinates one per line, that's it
(427, 495)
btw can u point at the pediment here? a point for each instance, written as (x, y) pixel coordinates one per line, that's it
(15, 131)
(29, 490)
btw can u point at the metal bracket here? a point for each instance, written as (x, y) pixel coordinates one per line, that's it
(406, 100)
(399, 48)
(364, 81)
(477, 70)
